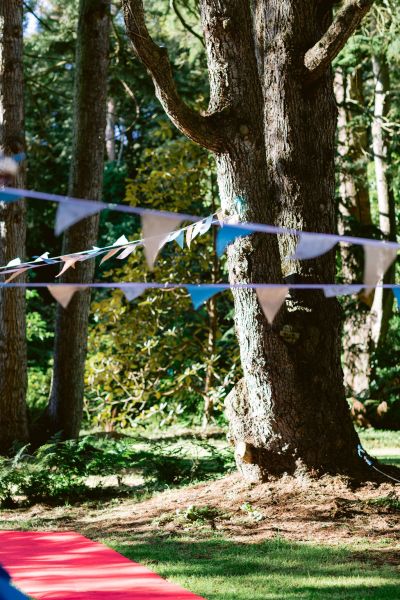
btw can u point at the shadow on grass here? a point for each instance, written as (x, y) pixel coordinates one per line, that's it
(273, 570)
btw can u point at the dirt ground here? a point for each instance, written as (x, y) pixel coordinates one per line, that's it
(319, 511)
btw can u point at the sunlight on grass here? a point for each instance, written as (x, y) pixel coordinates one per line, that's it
(219, 569)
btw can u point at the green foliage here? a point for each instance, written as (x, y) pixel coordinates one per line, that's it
(58, 472)
(149, 360)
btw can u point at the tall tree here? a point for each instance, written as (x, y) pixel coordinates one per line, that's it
(354, 219)
(382, 306)
(13, 374)
(86, 179)
(271, 125)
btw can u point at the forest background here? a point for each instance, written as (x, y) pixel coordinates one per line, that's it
(156, 360)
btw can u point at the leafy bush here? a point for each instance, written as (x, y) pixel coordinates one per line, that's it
(58, 472)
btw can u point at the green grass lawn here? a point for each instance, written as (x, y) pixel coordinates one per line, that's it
(219, 569)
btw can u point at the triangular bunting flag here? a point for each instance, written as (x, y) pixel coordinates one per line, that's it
(220, 217)
(16, 274)
(133, 291)
(396, 292)
(312, 245)
(117, 247)
(177, 236)
(377, 260)
(69, 262)
(70, 213)
(63, 293)
(8, 196)
(127, 252)
(8, 166)
(331, 291)
(156, 229)
(271, 300)
(189, 233)
(228, 234)
(14, 262)
(202, 293)
(202, 227)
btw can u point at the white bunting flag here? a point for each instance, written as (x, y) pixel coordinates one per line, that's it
(16, 274)
(133, 291)
(156, 230)
(14, 262)
(41, 257)
(202, 227)
(120, 243)
(271, 299)
(127, 252)
(312, 245)
(8, 166)
(189, 233)
(331, 291)
(63, 293)
(70, 213)
(377, 260)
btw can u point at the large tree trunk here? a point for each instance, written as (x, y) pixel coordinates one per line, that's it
(271, 124)
(382, 306)
(13, 373)
(290, 411)
(354, 219)
(86, 179)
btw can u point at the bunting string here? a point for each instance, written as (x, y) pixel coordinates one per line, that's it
(71, 204)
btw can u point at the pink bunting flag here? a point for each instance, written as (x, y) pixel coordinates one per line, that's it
(120, 243)
(63, 293)
(377, 260)
(16, 274)
(69, 262)
(156, 230)
(271, 300)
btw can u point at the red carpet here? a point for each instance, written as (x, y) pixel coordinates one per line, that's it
(68, 566)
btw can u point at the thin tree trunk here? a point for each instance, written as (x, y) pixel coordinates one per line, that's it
(354, 219)
(382, 306)
(86, 178)
(110, 130)
(13, 366)
(213, 324)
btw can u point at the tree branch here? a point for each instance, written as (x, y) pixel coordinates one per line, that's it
(346, 21)
(206, 130)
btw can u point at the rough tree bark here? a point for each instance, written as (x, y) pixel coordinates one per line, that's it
(86, 179)
(13, 369)
(271, 125)
(354, 219)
